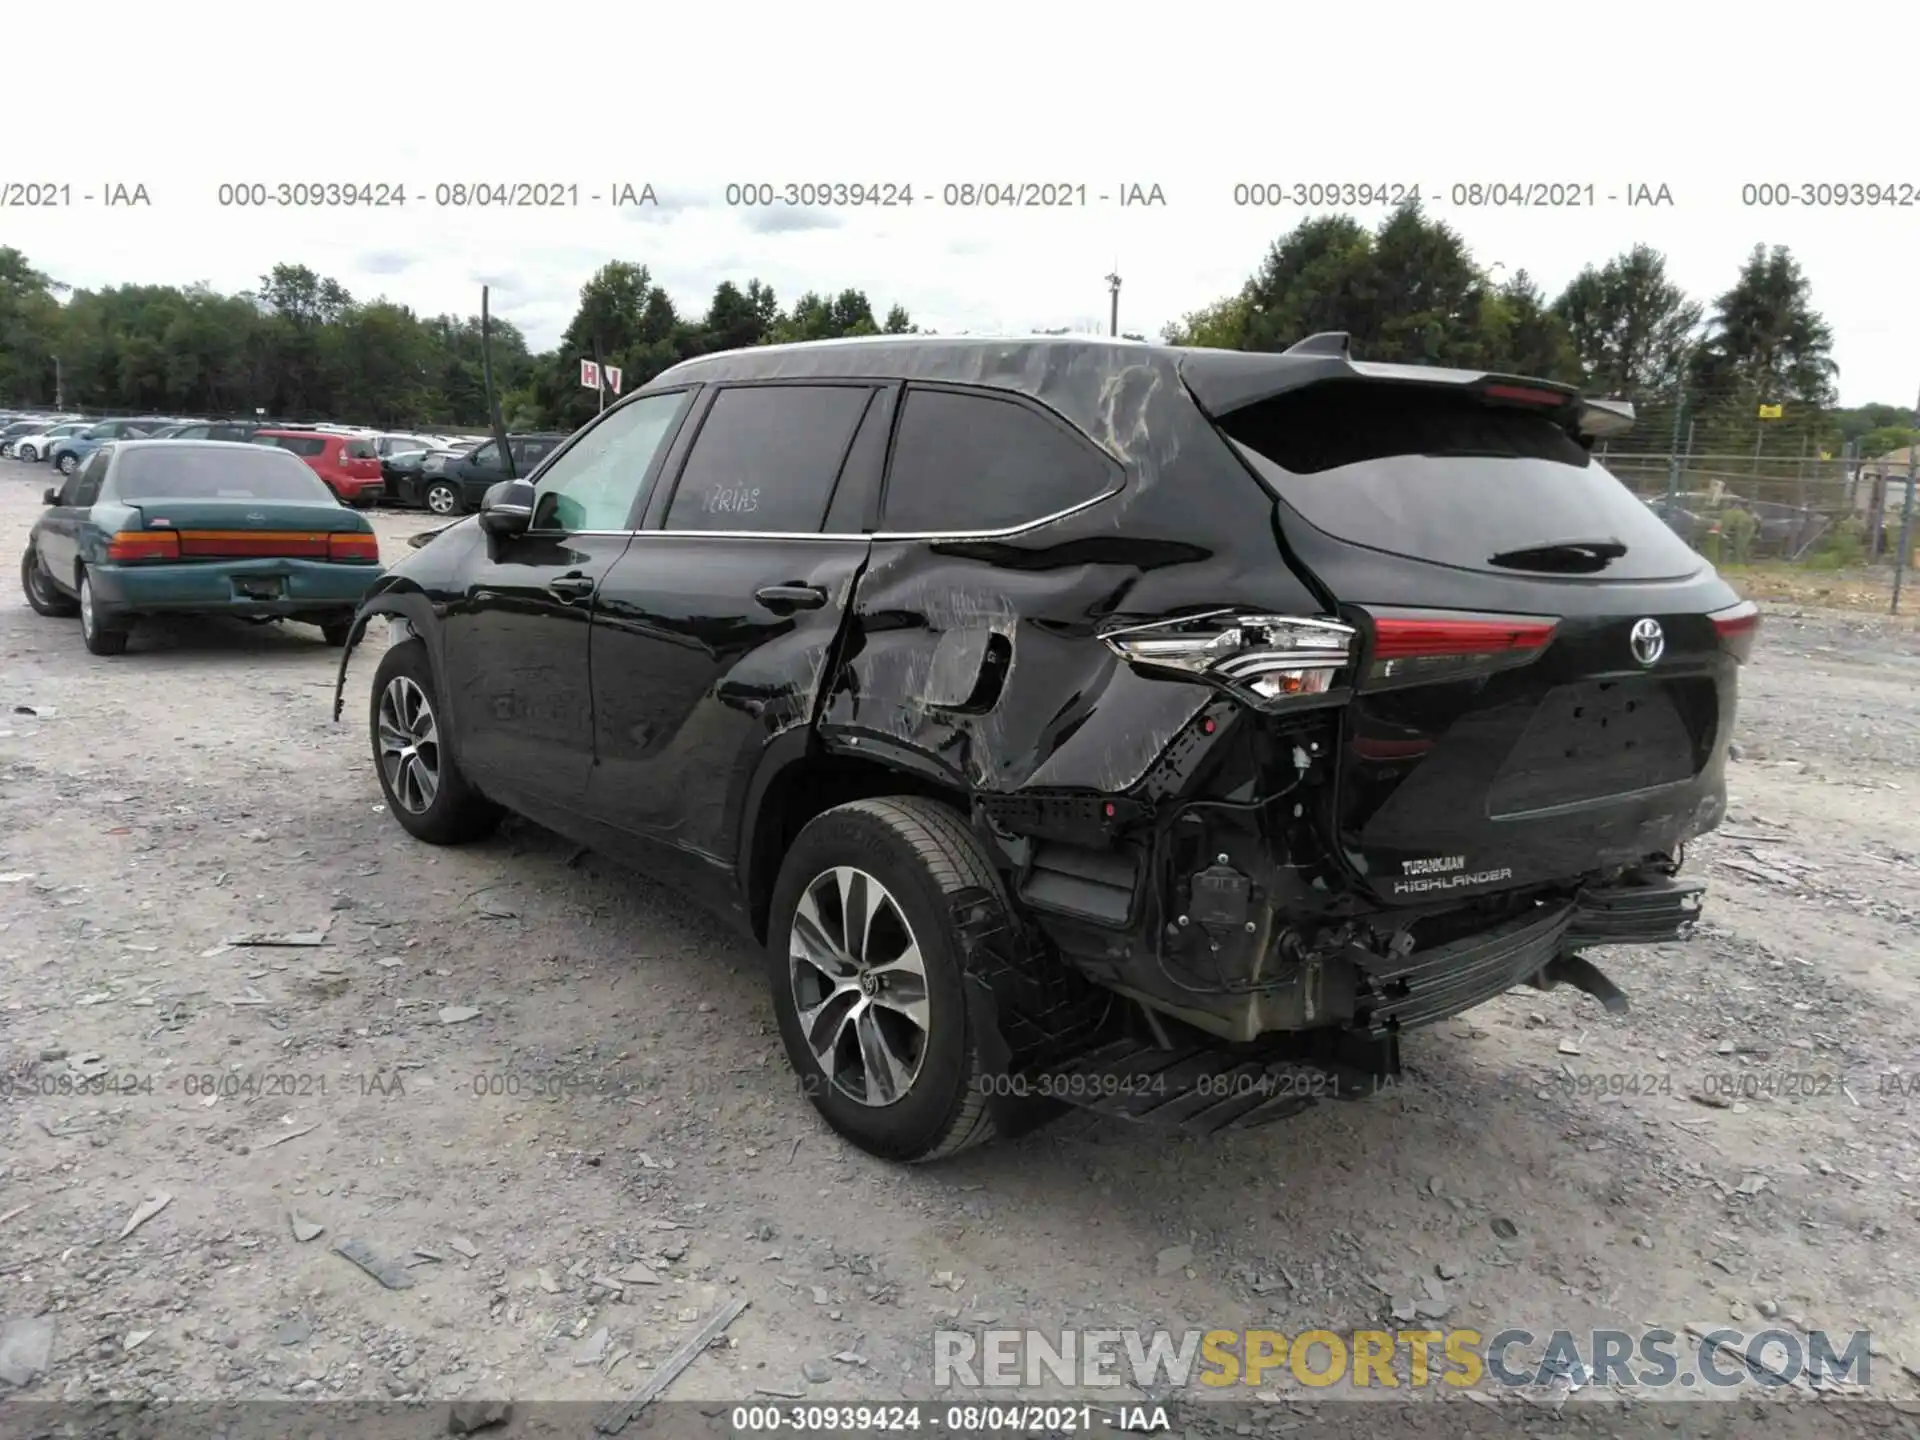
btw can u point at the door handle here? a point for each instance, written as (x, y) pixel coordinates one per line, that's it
(571, 587)
(791, 597)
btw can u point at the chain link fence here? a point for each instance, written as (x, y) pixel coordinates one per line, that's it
(1811, 523)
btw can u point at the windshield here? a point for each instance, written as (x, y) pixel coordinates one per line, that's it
(205, 472)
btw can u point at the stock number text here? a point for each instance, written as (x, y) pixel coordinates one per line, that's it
(882, 195)
(1278, 194)
(310, 194)
(1821, 195)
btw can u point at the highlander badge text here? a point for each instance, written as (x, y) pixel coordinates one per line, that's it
(1443, 872)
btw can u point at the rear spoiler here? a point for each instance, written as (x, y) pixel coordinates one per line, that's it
(1223, 381)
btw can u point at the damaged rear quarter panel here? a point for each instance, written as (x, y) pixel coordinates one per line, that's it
(1188, 529)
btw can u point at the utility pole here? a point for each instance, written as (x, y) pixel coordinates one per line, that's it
(1113, 289)
(1673, 464)
(59, 385)
(1906, 517)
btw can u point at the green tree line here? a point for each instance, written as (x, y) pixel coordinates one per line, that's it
(301, 347)
(1410, 291)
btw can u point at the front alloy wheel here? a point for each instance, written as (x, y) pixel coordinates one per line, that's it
(859, 986)
(408, 738)
(68, 463)
(418, 771)
(442, 499)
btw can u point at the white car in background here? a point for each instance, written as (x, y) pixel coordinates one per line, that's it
(392, 443)
(35, 447)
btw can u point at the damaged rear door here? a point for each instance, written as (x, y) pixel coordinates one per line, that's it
(715, 630)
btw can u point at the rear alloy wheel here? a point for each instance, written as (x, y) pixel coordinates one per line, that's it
(868, 976)
(102, 637)
(443, 499)
(67, 463)
(42, 594)
(424, 787)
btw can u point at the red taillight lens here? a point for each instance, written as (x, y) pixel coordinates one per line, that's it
(1409, 638)
(353, 547)
(1737, 627)
(132, 545)
(1411, 649)
(1520, 394)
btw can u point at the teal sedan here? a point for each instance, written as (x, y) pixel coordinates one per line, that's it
(169, 527)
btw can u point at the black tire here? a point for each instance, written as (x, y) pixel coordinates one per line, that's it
(924, 856)
(101, 630)
(67, 463)
(335, 632)
(40, 590)
(449, 499)
(456, 812)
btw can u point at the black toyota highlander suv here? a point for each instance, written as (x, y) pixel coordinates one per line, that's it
(1163, 731)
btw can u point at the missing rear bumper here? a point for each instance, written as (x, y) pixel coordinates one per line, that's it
(1652, 912)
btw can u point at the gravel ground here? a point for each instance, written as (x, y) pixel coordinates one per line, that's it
(553, 1092)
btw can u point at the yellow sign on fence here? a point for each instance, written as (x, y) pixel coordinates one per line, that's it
(1771, 412)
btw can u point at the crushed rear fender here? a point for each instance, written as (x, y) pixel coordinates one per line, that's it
(397, 598)
(976, 660)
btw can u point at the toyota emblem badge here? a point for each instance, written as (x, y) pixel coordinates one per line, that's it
(1648, 640)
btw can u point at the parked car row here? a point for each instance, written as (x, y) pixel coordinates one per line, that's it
(361, 467)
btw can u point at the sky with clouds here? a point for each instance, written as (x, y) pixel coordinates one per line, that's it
(1195, 100)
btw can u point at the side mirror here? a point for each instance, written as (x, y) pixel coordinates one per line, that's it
(507, 507)
(52, 497)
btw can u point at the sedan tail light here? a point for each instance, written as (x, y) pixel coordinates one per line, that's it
(1269, 661)
(135, 545)
(353, 546)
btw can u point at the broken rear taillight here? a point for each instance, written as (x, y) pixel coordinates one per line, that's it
(1270, 661)
(1417, 647)
(1737, 626)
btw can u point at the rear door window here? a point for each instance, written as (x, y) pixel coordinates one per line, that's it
(1447, 478)
(361, 450)
(303, 445)
(969, 463)
(767, 458)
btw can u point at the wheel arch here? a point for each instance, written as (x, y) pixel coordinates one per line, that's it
(796, 781)
(409, 612)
